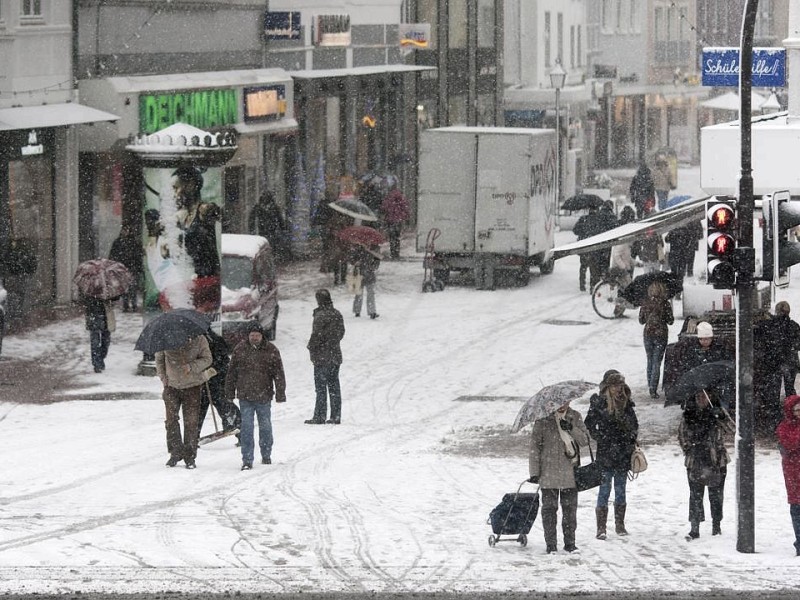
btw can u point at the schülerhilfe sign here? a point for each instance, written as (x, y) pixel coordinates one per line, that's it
(721, 67)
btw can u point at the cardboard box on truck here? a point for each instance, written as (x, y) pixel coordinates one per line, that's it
(490, 192)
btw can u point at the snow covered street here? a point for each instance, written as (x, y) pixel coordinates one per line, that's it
(396, 498)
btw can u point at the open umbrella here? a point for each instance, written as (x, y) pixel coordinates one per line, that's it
(719, 376)
(353, 208)
(548, 400)
(675, 200)
(382, 180)
(361, 234)
(582, 202)
(171, 330)
(102, 278)
(636, 291)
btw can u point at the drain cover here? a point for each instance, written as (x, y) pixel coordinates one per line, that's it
(564, 322)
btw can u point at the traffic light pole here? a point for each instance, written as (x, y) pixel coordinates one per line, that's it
(745, 288)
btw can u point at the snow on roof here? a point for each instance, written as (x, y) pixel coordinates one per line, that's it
(239, 244)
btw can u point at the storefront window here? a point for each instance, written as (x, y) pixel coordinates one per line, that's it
(457, 24)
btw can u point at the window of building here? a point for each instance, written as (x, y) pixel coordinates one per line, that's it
(763, 27)
(580, 46)
(31, 8)
(605, 21)
(457, 24)
(633, 16)
(572, 46)
(618, 20)
(428, 12)
(486, 23)
(546, 39)
(560, 41)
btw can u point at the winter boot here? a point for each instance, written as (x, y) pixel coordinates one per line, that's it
(619, 518)
(602, 516)
(694, 531)
(716, 528)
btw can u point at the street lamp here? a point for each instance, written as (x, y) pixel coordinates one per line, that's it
(557, 78)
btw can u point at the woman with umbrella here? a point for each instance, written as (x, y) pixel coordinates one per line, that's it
(365, 263)
(554, 454)
(701, 437)
(656, 315)
(612, 422)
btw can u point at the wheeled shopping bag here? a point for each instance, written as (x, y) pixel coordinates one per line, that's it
(514, 516)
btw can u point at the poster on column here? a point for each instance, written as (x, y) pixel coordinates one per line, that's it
(181, 239)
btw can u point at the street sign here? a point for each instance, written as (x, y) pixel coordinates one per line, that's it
(721, 67)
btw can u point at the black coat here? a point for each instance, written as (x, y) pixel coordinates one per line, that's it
(615, 436)
(326, 334)
(127, 249)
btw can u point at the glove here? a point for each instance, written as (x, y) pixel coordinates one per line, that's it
(533, 479)
(565, 425)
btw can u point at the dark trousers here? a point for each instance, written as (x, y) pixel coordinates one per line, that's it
(569, 516)
(582, 272)
(767, 405)
(715, 496)
(789, 375)
(130, 298)
(394, 230)
(794, 510)
(99, 341)
(326, 383)
(188, 402)
(228, 412)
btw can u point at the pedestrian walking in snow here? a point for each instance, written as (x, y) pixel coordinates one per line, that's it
(612, 423)
(650, 251)
(127, 249)
(325, 351)
(214, 391)
(642, 192)
(396, 212)
(365, 264)
(181, 373)
(255, 376)
(656, 316)
(662, 181)
(554, 454)
(701, 437)
(788, 433)
(100, 322)
(690, 352)
(788, 343)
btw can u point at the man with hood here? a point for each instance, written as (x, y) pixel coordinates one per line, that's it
(788, 433)
(325, 351)
(255, 375)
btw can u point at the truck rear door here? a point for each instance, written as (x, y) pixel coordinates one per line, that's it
(503, 185)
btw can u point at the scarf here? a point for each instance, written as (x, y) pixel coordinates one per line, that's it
(570, 448)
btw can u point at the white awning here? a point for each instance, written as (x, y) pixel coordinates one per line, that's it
(355, 71)
(677, 216)
(50, 115)
(282, 125)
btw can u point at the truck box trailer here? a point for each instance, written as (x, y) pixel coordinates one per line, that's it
(490, 193)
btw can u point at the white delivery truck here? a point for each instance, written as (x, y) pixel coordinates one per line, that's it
(486, 201)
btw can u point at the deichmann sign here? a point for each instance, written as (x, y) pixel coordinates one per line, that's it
(202, 108)
(721, 67)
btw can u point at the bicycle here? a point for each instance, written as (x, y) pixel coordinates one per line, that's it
(606, 300)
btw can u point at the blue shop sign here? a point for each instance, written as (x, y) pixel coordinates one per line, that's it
(282, 25)
(721, 67)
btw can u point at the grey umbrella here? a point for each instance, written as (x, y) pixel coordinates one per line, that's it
(354, 208)
(171, 330)
(719, 375)
(548, 400)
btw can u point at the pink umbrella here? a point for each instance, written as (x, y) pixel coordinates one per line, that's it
(102, 278)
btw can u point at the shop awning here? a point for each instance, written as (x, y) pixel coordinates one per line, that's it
(356, 71)
(280, 126)
(51, 115)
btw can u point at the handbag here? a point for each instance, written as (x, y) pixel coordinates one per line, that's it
(638, 462)
(588, 476)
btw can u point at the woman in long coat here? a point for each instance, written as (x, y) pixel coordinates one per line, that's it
(554, 454)
(656, 315)
(612, 422)
(788, 433)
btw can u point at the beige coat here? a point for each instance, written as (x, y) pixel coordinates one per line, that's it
(171, 364)
(548, 460)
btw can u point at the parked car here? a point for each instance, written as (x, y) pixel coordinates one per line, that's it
(249, 286)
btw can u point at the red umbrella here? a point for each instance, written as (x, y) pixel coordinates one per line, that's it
(361, 234)
(102, 278)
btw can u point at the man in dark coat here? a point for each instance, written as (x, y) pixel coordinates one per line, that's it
(682, 245)
(775, 341)
(690, 352)
(255, 375)
(597, 261)
(99, 316)
(127, 249)
(642, 192)
(326, 355)
(228, 411)
(266, 220)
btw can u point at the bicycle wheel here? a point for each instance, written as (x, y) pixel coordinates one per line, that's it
(604, 299)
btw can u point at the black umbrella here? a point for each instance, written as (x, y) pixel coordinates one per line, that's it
(719, 376)
(582, 202)
(636, 291)
(171, 330)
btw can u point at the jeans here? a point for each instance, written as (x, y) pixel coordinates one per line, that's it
(326, 383)
(715, 496)
(264, 412)
(794, 510)
(620, 479)
(357, 301)
(188, 401)
(569, 516)
(99, 341)
(663, 196)
(654, 348)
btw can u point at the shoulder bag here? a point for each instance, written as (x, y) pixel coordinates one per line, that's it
(638, 462)
(588, 476)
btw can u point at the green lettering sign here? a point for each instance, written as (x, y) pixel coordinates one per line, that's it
(203, 109)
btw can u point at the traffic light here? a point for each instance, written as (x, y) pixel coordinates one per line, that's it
(781, 250)
(721, 242)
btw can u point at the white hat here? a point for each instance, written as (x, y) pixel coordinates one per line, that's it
(704, 330)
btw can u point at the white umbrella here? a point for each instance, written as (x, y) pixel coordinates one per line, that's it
(548, 400)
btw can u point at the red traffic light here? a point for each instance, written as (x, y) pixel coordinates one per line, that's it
(721, 244)
(721, 217)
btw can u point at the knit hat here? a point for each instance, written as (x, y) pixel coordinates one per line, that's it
(255, 326)
(611, 377)
(704, 330)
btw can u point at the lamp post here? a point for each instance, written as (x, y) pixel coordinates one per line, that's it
(557, 78)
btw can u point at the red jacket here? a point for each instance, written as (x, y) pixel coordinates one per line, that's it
(789, 438)
(395, 207)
